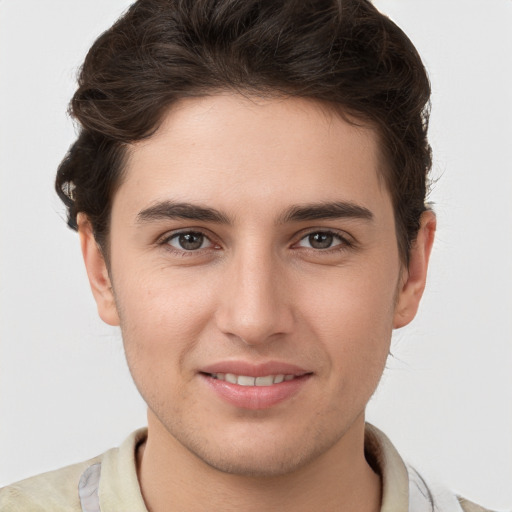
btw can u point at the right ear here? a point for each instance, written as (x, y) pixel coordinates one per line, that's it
(97, 272)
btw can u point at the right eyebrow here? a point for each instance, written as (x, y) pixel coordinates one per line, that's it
(173, 210)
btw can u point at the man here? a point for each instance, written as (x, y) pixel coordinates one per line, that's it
(249, 188)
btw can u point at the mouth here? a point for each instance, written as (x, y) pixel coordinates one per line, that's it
(247, 380)
(247, 386)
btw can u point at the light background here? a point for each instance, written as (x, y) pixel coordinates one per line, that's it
(446, 397)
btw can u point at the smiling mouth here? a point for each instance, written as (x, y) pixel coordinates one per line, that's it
(246, 380)
(261, 389)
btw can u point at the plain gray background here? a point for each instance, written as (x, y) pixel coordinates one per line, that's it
(446, 397)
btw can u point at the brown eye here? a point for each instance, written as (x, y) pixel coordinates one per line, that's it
(189, 241)
(322, 240)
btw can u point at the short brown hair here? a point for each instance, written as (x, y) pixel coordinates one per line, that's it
(343, 52)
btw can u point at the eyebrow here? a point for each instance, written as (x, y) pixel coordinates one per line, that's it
(325, 211)
(172, 210)
(315, 211)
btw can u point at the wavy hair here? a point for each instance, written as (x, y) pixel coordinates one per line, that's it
(343, 52)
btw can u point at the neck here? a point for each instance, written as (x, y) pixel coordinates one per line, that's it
(174, 479)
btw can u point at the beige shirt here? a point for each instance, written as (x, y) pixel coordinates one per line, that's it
(108, 483)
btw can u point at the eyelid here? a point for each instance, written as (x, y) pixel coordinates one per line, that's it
(345, 239)
(164, 239)
(204, 239)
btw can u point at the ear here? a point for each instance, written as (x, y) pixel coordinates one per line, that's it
(415, 276)
(97, 272)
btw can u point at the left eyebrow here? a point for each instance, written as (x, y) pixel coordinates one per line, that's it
(325, 211)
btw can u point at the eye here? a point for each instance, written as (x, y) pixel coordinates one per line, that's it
(322, 240)
(189, 241)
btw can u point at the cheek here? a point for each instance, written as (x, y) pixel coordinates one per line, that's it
(161, 323)
(162, 317)
(352, 315)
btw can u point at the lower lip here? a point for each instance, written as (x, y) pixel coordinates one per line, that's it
(255, 397)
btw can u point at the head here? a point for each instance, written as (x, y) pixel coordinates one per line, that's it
(223, 241)
(340, 52)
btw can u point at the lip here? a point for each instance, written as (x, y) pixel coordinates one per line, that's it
(255, 370)
(254, 397)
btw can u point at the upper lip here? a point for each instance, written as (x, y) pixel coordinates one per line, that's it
(254, 370)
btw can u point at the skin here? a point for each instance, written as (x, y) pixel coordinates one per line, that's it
(260, 288)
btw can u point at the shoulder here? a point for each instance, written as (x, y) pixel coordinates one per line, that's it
(55, 491)
(109, 479)
(404, 488)
(468, 506)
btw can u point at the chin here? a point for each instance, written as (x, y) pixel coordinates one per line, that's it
(255, 463)
(268, 454)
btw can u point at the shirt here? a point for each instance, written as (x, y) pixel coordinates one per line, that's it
(108, 483)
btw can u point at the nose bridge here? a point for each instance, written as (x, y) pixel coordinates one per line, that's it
(255, 305)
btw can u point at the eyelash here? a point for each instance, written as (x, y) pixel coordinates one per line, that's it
(344, 242)
(184, 252)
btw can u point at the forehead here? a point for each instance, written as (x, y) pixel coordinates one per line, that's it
(231, 151)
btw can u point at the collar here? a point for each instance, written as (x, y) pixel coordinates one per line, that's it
(112, 485)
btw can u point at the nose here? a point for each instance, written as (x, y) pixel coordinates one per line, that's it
(255, 304)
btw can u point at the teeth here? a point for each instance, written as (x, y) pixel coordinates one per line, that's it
(264, 381)
(229, 378)
(245, 380)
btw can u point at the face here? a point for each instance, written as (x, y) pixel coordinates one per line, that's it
(256, 278)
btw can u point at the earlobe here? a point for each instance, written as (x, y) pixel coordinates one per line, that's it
(97, 272)
(413, 283)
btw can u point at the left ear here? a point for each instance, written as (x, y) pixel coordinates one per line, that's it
(415, 276)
